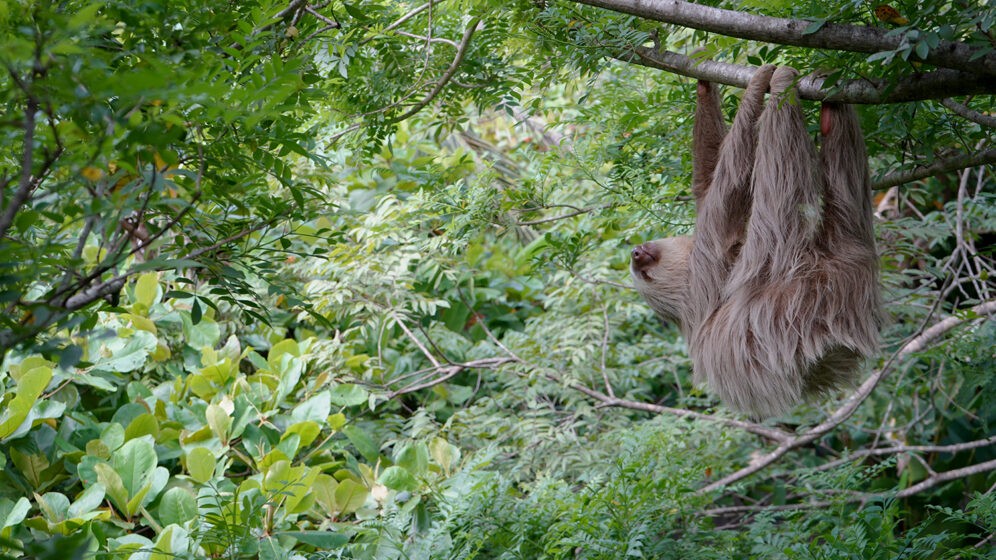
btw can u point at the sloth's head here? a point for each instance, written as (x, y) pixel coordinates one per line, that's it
(660, 274)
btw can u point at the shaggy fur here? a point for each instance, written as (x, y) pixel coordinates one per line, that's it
(777, 291)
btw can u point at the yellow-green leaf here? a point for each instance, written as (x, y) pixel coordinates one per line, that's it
(350, 496)
(146, 289)
(200, 464)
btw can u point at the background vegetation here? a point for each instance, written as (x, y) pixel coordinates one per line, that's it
(349, 280)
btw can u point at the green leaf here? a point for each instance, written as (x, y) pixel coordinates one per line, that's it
(13, 513)
(347, 394)
(350, 496)
(219, 421)
(324, 489)
(323, 540)
(362, 442)
(143, 425)
(89, 500)
(414, 457)
(29, 387)
(445, 454)
(285, 346)
(201, 464)
(177, 506)
(398, 478)
(315, 409)
(113, 486)
(146, 289)
(31, 465)
(134, 463)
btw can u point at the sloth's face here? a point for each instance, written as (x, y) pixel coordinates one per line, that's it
(660, 274)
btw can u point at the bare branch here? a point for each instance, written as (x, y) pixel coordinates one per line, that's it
(450, 371)
(897, 449)
(932, 85)
(27, 181)
(447, 75)
(937, 330)
(772, 434)
(795, 32)
(935, 479)
(965, 112)
(962, 161)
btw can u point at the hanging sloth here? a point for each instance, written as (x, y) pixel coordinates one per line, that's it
(777, 290)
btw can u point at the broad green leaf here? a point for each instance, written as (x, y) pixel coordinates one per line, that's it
(348, 394)
(286, 346)
(323, 540)
(146, 289)
(302, 498)
(113, 486)
(445, 454)
(316, 409)
(126, 353)
(201, 464)
(362, 442)
(177, 506)
(141, 323)
(414, 457)
(398, 478)
(89, 500)
(324, 490)
(31, 465)
(307, 432)
(219, 421)
(350, 496)
(143, 425)
(134, 463)
(13, 513)
(53, 505)
(29, 387)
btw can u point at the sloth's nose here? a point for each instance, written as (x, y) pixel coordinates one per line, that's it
(644, 255)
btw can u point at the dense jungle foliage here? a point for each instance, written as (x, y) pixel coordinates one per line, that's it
(299, 279)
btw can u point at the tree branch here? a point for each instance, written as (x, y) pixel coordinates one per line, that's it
(955, 163)
(933, 85)
(935, 479)
(447, 75)
(448, 372)
(897, 449)
(833, 36)
(965, 112)
(772, 434)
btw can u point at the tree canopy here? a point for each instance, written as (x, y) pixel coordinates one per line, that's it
(350, 279)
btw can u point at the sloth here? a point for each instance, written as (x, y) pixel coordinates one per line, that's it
(776, 292)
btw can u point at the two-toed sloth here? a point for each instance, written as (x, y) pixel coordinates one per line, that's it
(777, 290)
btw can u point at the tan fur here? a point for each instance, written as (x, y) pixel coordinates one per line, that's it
(777, 291)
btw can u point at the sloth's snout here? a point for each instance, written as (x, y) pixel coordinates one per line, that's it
(645, 256)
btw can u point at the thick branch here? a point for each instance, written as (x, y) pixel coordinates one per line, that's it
(793, 32)
(962, 161)
(966, 113)
(933, 85)
(941, 327)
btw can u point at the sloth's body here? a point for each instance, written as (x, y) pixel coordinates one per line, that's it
(777, 291)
